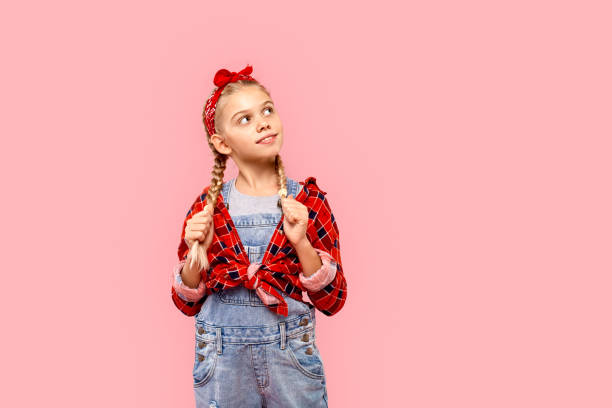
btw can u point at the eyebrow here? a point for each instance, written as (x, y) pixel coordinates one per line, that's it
(246, 110)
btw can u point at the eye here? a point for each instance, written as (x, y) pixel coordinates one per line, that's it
(270, 108)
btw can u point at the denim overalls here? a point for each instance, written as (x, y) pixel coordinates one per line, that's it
(245, 354)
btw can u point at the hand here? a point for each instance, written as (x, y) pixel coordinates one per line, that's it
(200, 227)
(295, 221)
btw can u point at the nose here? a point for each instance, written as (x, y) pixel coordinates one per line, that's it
(262, 125)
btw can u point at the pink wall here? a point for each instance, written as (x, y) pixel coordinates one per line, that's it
(464, 146)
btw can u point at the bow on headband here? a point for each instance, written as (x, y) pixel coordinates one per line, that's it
(222, 78)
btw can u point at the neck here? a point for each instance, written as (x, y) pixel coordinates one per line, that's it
(257, 179)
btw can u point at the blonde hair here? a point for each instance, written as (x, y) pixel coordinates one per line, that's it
(198, 251)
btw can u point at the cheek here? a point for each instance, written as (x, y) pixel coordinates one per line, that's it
(240, 136)
(277, 122)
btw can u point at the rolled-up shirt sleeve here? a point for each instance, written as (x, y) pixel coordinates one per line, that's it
(323, 276)
(183, 291)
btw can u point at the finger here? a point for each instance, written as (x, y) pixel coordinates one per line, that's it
(201, 218)
(287, 204)
(294, 203)
(204, 211)
(200, 215)
(193, 232)
(192, 236)
(198, 234)
(198, 225)
(291, 216)
(199, 221)
(295, 208)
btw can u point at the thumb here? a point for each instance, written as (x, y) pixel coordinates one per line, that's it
(203, 212)
(209, 236)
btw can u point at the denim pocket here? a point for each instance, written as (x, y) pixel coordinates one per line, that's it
(305, 355)
(205, 362)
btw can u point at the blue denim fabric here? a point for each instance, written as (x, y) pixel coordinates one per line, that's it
(248, 356)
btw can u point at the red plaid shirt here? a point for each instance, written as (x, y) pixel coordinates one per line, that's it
(280, 264)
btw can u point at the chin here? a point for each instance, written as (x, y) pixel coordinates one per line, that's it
(275, 152)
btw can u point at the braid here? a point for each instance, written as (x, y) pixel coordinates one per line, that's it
(282, 179)
(201, 257)
(217, 177)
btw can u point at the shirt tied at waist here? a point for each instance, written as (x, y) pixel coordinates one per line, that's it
(254, 283)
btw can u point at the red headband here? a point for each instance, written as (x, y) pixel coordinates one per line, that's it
(222, 78)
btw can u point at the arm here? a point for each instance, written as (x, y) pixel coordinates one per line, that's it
(313, 258)
(188, 300)
(330, 298)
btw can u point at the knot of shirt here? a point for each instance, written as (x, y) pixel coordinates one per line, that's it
(254, 283)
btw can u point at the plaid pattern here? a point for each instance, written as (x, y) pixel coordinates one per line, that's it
(280, 267)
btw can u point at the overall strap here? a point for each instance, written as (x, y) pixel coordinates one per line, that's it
(224, 191)
(298, 188)
(292, 187)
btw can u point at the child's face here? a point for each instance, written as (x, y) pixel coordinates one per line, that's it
(246, 117)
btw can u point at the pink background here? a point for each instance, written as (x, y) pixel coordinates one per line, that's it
(465, 148)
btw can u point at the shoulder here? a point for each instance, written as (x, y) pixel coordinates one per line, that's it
(198, 203)
(200, 200)
(312, 187)
(315, 198)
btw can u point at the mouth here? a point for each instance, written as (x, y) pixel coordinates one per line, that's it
(267, 139)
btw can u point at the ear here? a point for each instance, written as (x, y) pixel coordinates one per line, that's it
(219, 142)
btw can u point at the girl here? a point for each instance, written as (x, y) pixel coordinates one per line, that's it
(249, 248)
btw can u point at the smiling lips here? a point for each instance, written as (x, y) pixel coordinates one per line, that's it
(267, 139)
